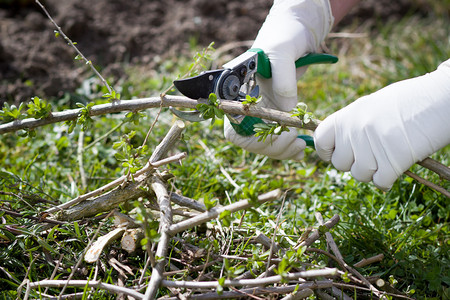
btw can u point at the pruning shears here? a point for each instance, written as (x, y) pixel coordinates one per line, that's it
(234, 82)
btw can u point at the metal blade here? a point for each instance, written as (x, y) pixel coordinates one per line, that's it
(191, 116)
(199, 86)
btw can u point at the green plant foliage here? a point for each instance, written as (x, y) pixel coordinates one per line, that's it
(409, 224)
(11, 112)
(39, 108)
(211, 110)
(265, 130)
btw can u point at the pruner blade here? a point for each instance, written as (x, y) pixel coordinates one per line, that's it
(191, 116)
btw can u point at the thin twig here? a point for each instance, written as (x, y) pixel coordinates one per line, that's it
(315, 234)
(231, 107)
(251, 282)
(264, 290)
(103, 136)
(429, 184)
(367, 261)
(80, 160)
(58, 263)
(216, 211)
(88, 62)
(86, 283)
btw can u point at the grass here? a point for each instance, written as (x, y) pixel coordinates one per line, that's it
(409, 224)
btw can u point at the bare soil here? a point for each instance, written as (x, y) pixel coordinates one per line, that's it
(113, 32)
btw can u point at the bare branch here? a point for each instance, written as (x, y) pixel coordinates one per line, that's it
(266, 290)
(216, 211)
(250, 282)
(88, 62)
(367, 261)
(160, 189)
(85, 283)
(429, 184)
(227, 106)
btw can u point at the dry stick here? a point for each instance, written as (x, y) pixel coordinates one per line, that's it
(187, 202)
(330, 241)
(88, 62)
(58, 263)
(299, 295)
(353, 287)
(367, 261)
(86, 283)
(80, 160)
(265, 290)
(117, 182)
(442, 170)
(232, 107)
(162, 196)
(250, 282)
(423, 181)
(339, 294)
(216, 211)
(315, 235)
(26, 280)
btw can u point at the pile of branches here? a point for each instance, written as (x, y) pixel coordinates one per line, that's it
(301, 276)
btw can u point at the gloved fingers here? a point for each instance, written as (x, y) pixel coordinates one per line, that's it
(365, 164)
(284, 82)
(385, 177)
(283, 146)
(324, 138)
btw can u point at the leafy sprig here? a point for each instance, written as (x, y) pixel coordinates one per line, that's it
(128, 155)
(11, 112)
(264, 130)
(39, 108)
(211, 110)
(301, 111)
(249, 100)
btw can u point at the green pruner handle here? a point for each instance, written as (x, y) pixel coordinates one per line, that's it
(246, 127)
(265, 71)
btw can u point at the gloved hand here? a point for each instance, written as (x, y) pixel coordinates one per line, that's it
(291, 30)
(381, 135)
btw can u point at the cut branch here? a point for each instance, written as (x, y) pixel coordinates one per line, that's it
(227, 106)
(265, 290)
(162, 195)
(85, 283)
(216, 211)
(328, 272)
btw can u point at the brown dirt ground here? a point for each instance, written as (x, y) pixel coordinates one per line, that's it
(112, 32)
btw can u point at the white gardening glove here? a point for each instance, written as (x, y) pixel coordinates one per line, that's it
(292, 29)
(381, 135)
